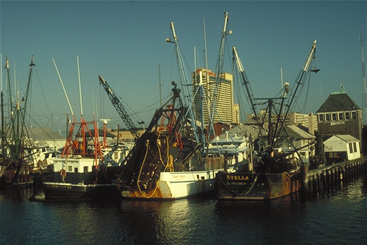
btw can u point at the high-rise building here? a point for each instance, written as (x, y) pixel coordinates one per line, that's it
(212, 99)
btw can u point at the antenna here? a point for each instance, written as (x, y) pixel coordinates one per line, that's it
(62, 84)
(15, 81)
(160, 84)
(195, 59)
(205, 48)
(80, 87)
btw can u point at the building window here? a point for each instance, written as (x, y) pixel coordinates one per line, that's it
(355, 146)
(321, 117)
(347, 116)
(70, 168)
(350, 148)
(334, 117)
(354, 115)
(341, 116)
(85, 169)
(327, 117)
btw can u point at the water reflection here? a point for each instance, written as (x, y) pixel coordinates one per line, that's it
(333, 218)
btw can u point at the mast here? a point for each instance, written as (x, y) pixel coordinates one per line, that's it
(301, 76)
(219, 70)
(294, 92)
(160, 84)
(2, 108)
(80, 87)
(31, 65)
(14, 154)
(70, 133)
(63, 87)
(364, 93)
(240, 68)
(184, 81)
(82, 121)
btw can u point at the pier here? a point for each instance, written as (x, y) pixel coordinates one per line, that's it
(321, 181)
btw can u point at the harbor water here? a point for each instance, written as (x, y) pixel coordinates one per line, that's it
(334, 218)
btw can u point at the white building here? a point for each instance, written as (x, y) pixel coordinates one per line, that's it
(339, 148)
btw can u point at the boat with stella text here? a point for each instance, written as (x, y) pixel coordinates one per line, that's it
(275, 170)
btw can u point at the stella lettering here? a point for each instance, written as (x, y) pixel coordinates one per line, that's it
(237, 177)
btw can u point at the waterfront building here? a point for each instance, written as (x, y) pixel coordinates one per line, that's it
(339, 115)
(300, 139)
(214, 99)
(339, 148)
(308, 121)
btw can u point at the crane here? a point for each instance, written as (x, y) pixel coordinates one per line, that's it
(120, 108)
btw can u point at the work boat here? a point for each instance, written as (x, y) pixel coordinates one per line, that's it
(166, 162)
(84, 170)
(275, 171)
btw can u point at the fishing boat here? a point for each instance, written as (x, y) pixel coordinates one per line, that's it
(169, 161)
(166, 161)
(19, 153)
(276, 163)
(86, 169)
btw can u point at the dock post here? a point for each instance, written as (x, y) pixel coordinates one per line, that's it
(305, 177)
(323, 177)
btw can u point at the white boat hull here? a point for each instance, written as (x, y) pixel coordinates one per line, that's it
(177, 185)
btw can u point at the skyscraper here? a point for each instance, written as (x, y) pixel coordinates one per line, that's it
(213, 99)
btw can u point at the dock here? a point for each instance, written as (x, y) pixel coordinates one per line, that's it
(333, 177)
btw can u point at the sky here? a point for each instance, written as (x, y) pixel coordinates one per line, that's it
(124, 41)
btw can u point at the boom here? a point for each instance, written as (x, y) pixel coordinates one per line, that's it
(250, 95)
(119, 108)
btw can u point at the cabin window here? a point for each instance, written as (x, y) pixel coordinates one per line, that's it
(355, 146)
(85, 169)
(327, 117)
(334, 117)
(347, 115)
(321, 117)
(116, 155)
(354, 115)
(341, 116)
(75, 170)
(350, 148)
(70, 168)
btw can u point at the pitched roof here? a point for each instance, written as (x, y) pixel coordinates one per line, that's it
(338, 102)
(344, 137)
(296, 132)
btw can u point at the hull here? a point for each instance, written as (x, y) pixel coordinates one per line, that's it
(11, 176)
(260, 187)
(67, 191)
(80, 181)
(175, 185)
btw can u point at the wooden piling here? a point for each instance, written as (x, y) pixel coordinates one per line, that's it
(333, 177)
